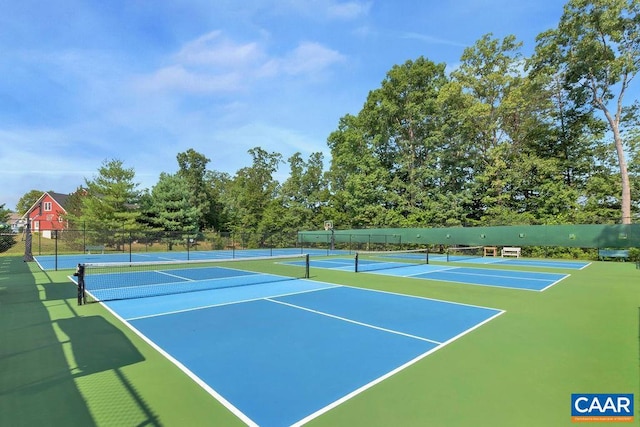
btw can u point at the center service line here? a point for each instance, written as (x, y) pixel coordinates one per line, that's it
(354, 321)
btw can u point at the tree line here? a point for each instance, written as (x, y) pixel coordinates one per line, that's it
(504, 139)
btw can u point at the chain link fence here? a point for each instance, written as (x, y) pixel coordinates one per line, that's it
(63, 242)
(356, 242)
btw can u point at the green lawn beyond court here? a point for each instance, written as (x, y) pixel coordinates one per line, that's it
(65, 365)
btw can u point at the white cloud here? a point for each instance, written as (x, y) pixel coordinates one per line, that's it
(349, 10)
(213, 49)
(177, 77)
(433, 40)
(213, 63)
(310, 58)
(324, 9)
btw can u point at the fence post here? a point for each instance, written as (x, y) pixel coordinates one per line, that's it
(55, 237)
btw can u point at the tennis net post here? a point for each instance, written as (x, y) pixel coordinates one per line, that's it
(81, 289)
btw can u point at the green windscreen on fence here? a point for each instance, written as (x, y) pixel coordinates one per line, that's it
(578, 236)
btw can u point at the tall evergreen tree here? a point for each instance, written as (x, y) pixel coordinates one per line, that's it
(171, 209)
(112, 198)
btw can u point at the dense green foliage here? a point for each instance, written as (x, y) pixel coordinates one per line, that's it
(170, 205)
(596, 52)
(4, 214)
(6, 239)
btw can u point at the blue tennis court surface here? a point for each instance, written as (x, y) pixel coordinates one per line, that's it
(525, 262)
(283, 353)
(113, 286)
(515, 279)
(570, 265)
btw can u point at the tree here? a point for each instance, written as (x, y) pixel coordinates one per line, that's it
(387, 166)
(218, 184)
(4, 214)
(7, 240)
(596, 49)
(171, 208)
(301, 198)
(27, 200)
(193, 168)
(357, 178)
(489, 71)
(112, 199)
(494, 113)
(73, 206)
(252, 189)
(405, 116)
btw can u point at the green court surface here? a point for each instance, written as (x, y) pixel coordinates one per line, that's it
(67, 365)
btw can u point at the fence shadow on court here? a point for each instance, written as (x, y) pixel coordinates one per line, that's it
(55, 364)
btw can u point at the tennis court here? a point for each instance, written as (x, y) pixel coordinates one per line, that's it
(479, 259)
(288, 350)
(543, 263)
(514, 279)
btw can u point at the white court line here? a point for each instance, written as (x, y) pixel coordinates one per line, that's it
(497, 275)
(554, 283)
(445, 269)
(354, 321)
(174, 275)
(421, 297)
(476, 284)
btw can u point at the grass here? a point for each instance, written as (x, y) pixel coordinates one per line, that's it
(78, 366)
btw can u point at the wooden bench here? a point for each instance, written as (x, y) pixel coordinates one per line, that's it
(490, 251)
(510, 251)
(95, 248)
(622, 254)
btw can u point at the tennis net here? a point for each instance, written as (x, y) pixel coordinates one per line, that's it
(127, 280)
(461, 253)
(382, 260)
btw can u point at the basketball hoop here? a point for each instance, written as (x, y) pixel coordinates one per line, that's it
(328, 226)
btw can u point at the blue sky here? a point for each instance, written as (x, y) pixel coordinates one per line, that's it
(84, 81)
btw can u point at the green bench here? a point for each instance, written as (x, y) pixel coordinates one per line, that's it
(604, 254)
(94, 248)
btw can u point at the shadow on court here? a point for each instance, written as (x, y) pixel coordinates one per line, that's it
(48, 350)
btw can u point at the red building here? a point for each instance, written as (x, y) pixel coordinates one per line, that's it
(47, 213)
